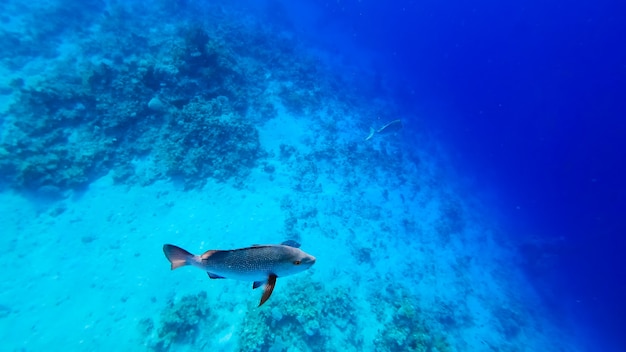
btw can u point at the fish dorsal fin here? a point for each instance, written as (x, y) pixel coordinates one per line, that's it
(256, 284)
(268, 289)
(291, 243)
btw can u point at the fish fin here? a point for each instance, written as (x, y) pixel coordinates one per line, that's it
(215, 276)
(268, 289)
(209, 253)
(177, 256)
(291, 243)
(256, 284)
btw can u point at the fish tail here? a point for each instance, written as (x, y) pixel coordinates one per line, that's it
(177, 256)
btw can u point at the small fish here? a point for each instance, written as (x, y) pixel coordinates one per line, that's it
(261, 264)
(393, 126)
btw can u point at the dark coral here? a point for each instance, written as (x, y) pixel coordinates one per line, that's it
(304, 320)
(41, 151)
(180, 322)
(406, 328)
(208, 139)
(78, 125)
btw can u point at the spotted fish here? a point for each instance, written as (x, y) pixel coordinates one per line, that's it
(261, 264)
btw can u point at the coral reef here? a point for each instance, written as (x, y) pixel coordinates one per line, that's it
(208, 139)
(305, 318)
(186, 96)
(180, 322)
(406, 326)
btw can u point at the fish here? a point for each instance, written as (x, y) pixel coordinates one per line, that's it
(261, 264)
(393, 126)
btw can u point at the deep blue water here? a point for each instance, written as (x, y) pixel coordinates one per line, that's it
(530, 98)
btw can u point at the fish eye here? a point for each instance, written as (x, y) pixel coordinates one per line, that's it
(297, 262)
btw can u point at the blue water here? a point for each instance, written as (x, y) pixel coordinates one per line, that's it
(456, 169)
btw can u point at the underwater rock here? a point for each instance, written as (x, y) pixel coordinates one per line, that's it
(276, 314)
(156, 104)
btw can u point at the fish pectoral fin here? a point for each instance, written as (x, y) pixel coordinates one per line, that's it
(215, 276)
(256, 284)
(268, 289)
